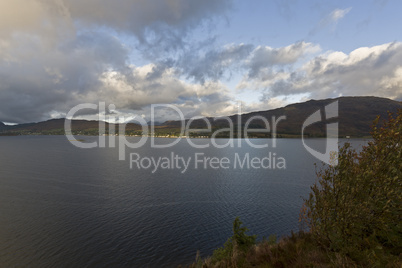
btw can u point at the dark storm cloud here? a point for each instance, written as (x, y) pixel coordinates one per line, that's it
(160, 26)
(40, 82)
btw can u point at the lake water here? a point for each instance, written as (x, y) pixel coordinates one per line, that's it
(62, 206)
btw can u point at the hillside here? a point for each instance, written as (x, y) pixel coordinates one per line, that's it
(56, 127)
(356, 115)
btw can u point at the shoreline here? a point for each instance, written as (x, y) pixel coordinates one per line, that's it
(283, 136)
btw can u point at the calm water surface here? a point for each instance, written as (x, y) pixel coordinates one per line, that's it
(62, 206)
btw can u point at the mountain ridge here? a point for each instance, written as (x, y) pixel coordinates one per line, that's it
(355, 117)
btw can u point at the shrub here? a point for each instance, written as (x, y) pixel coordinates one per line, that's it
(236, 246)
(355, 208)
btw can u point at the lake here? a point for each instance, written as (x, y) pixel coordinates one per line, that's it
(62, 206)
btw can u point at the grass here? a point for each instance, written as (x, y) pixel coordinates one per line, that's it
(296, 250)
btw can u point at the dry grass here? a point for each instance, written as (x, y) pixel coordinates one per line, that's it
(296, 250)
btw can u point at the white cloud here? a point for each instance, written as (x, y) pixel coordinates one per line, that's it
(331, 19)
(367, 71)
(266, 65)
(264, 56)
(338, 14)
(392, 85)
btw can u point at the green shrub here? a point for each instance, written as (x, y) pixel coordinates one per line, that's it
(355, 208)
(236, 246)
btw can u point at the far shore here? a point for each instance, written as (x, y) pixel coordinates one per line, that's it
(280, 136)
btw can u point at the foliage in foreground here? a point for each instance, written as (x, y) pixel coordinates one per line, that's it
(353, 214)
(235, 247)
(297, 250)
(355, 209)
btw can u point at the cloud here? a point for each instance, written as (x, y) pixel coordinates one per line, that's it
(40, 84)
(56, 54)
(158, 25)
(36, 80)
(263, 58)
(51, 85)
(338, 14)
(265, 65)
(214, 63)
(331, 19)
(155, 27)
(366, 71)
(138, 17)
(193, 99)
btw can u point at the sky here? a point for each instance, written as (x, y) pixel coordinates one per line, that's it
(206, 57)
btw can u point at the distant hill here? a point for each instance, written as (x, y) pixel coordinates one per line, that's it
(56, 127)
(2, 126)
(356, 115)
